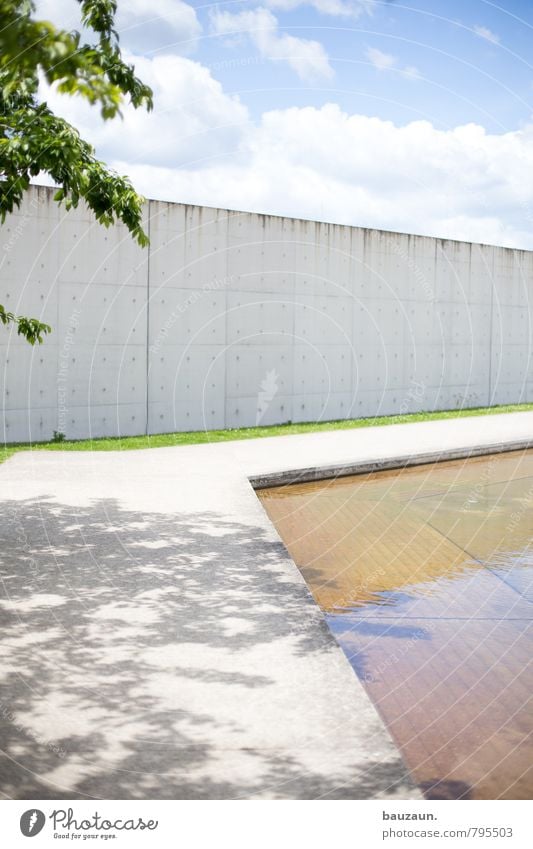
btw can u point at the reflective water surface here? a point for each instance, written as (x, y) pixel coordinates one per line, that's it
(425, 578)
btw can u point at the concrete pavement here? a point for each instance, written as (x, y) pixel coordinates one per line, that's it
(158, 641)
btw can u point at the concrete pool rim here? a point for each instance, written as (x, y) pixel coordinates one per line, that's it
(361, 467)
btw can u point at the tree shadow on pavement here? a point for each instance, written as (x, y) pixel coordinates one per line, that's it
(139, 652)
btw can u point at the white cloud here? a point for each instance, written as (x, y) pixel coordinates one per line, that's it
(193, 117)
(158, 24)
(200, 146)
(340, 8)
(487, 34)
(411, 72)
(307, 58)
(380, 60)
(63, 13)
(323, 163)
(141, 24)
(386, 62)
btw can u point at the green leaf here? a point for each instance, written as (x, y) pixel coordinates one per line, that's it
(34, 140)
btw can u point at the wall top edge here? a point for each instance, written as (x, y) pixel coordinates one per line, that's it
(352, 227)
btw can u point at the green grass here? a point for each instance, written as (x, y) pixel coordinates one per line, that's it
(128, 443)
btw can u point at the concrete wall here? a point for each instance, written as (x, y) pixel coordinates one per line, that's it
(232, 319)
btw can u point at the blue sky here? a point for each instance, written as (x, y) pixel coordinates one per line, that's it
(406, 116)
(463, 76)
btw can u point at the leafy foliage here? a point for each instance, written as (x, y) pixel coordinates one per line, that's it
(34, 140)
(31, 328)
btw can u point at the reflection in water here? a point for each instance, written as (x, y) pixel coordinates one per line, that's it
(425, 578)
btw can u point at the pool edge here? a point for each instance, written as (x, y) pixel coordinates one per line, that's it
(360, 467)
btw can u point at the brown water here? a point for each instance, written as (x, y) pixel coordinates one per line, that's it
(425, 578)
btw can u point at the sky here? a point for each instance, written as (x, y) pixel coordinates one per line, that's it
(415, 117)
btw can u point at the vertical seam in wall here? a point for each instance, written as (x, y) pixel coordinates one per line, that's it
(227, 284)
(149, 229)
(58, 313)
(491, 325)
(294, 294)
(351, 292)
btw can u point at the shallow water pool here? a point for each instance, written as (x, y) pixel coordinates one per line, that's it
(425, 577)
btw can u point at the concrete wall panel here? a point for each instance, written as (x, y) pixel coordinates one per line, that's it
(263, 371)
(322, 368)
(34, 297)
(105, 420)
(100, 314)
(28, 374)
(253, 410)
(233, 319)
(187, 317)
(170, 416)
(90, 253)
(259, 319)
(104, 374)
(182, 373)
(29, 425)
(34, 251)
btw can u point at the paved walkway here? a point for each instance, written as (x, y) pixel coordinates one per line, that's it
(158, 642)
